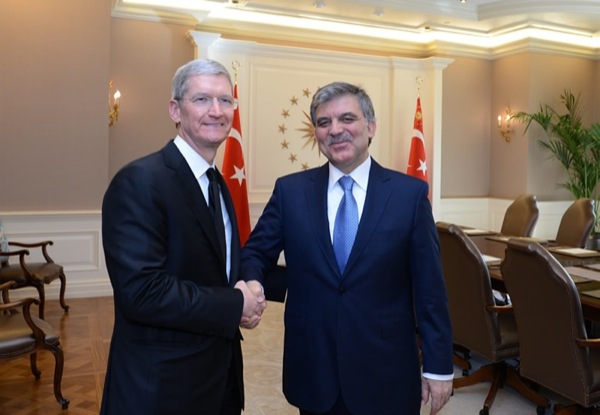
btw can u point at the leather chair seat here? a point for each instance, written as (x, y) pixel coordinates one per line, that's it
(42, 272)
(16, 337)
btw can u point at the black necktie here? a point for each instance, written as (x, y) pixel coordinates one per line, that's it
(214, 204)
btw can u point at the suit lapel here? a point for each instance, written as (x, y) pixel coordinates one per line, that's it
(316, 206)
(193, 195)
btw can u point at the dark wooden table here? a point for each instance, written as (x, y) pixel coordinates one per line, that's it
(495, 248)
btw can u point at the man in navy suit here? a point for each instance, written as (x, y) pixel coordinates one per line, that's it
(175, 347)
(350, 325)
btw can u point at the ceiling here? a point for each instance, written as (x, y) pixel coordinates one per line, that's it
(481, 27)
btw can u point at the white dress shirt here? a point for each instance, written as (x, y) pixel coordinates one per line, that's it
(335, 192)
(199, 167)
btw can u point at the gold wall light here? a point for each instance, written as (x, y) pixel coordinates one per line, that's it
(505, 124)
(113, 104)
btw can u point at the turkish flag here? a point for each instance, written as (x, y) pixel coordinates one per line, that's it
(417, 161)
(234, 173)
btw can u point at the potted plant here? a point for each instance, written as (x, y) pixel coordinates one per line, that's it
(576, 147)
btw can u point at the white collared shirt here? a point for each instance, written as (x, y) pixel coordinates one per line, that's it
(199, 166)
(360, 175)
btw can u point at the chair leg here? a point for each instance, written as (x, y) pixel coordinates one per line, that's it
(58, 372)
(63, 286)
(515, 381)
(461, 362)
(500, 374)
(573, 410)
(497, 383)
(492, 372)
(483, 374)
(42, 295)
(34, 369)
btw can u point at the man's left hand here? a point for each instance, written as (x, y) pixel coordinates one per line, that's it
(438, 390)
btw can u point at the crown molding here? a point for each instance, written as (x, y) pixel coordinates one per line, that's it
(381, 39)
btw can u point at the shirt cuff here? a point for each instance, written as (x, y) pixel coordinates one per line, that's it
(435, 376)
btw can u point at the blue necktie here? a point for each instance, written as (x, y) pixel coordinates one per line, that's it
(346, 224)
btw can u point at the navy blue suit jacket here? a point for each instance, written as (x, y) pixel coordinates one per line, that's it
(176, 316)
(356, 332)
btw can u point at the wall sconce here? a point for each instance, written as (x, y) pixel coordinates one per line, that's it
(504, 125)
(113, 105)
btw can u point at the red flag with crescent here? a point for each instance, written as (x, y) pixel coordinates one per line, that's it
(234, 173)
(417, 160)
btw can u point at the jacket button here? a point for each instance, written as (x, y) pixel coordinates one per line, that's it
(342, 290)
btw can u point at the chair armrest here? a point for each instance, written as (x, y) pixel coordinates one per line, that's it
(7, 285)
(588, 342)
(503, 309)
(21, 253)
(25, 305)
(42, 244)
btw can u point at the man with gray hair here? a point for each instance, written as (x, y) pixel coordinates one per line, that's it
(172, 252)
(363, 271)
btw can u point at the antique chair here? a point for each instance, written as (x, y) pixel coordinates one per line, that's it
(576, 224)
(478, 324)
(30, 274)
(22, 334)
(521, 216)
(555, 350)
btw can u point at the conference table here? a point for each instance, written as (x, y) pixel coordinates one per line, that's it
(582, 264)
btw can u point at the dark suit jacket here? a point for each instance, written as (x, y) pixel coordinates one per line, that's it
(355, 332)
(176, 315)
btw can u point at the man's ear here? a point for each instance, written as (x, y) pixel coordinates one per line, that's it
(174, 111)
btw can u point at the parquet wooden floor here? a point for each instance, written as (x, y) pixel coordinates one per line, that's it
(85, 336)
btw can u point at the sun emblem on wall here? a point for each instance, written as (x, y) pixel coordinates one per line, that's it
(296, 121)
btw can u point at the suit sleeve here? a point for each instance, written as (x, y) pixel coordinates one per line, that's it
(262, 250)
(158, 282)
(431, 304)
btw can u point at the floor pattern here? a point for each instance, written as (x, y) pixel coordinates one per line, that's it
(85, 335)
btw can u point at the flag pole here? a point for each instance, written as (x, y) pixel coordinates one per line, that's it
(419, 82)
(235, 65)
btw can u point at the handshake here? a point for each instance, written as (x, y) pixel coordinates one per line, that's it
(254, 303)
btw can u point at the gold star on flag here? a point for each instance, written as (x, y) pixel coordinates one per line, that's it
(293, 157)
(285, 113)
(282, 128)
(284, 144)
(306, 92)
(294, 100)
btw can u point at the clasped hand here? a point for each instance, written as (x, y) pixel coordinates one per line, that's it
(254, 303)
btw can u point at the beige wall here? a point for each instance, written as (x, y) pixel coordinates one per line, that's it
(144, 57)
(509, 160)
(58, 153)
(523, 82)
(466, 128)
(53, 129)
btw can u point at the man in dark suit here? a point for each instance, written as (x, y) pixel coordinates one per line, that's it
(175, 347)
(351, 318)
